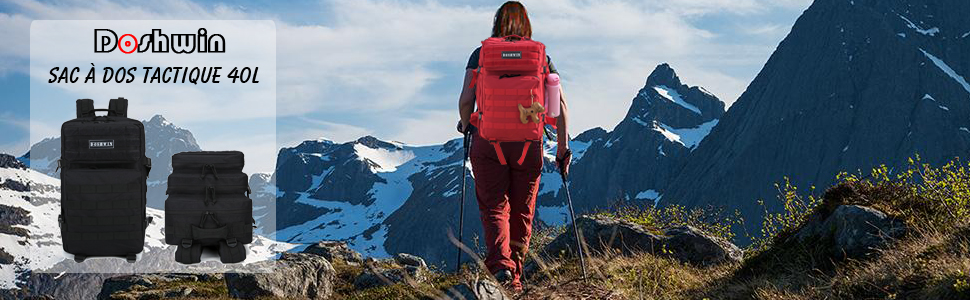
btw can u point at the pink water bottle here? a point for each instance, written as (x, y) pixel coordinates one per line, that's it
(552, 95)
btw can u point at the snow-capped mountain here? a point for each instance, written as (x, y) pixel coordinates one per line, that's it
(635, 162)
(856, 84)
(388, 197)
(163, 139)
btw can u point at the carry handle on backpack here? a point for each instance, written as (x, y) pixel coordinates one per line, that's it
(116, 108)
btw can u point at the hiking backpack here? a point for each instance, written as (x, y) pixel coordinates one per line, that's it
(208, 205)
(103, 182)
(510, 82)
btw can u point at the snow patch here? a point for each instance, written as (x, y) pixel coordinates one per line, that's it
(386, 160)
(648, 195)
(689, 137)
(930, 32)
(946, 69)
(673, 96)
(639, 121)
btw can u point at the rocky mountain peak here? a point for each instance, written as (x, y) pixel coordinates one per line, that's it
(668, 101)
(663, 74)
(313, 146)
(591, 135)
(375, 143)
(10, 162)
(158, 120)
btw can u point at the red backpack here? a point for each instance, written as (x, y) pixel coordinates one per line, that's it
(511, 79)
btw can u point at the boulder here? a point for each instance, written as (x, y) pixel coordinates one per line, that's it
(602, 233)
(410, 260)
(146, 286)
(477, 290)
(686, 244)
(335, 250)
(690, 245)
(402, 268)
(125, 283)
(854, 231)
(9, 162)
(294, 275)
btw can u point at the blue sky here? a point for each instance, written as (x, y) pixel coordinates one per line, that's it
(393, 69)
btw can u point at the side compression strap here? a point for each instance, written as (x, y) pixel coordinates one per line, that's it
(525, 150)
(103, 236)
(230, 250)
(105, 221)
(101, 188)
(101, 205)
(498, 151)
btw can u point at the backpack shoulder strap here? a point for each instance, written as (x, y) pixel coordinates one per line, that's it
(85, 108)
(118, 107)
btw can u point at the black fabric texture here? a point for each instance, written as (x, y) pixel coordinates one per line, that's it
(208, 204)
(103, 178)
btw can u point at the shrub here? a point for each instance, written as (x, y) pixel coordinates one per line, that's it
(921, 195)
(710, 220)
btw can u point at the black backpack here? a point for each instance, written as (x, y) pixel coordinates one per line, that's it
(103, 182)
(208, 205)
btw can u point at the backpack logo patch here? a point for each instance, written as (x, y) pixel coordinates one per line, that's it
(101, 144)
(511, 54)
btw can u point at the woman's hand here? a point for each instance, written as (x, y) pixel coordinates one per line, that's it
(564, 157)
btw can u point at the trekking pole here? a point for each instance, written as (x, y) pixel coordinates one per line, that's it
(572, 214)
(467, 141)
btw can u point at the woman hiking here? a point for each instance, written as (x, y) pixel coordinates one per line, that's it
(507, 173)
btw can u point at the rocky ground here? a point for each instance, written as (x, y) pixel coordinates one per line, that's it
(851, 246)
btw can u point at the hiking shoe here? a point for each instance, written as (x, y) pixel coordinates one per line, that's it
(503, 276)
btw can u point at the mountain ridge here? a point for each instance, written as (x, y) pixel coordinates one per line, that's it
(854, 85)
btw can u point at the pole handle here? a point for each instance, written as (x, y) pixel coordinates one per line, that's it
(562, 161)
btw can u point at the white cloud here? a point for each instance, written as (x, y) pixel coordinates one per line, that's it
(14, 147)
(10, 119)
(384, 58)
(428, 127)
(374, 53)
(14, 126)
(318, 129)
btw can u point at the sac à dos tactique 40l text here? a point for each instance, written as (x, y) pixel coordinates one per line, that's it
(208, 205)
(103, 176)
(510, 91)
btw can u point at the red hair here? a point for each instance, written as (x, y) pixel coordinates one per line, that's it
(512, 19)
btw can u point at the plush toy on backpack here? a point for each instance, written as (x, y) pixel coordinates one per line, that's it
(511, 74)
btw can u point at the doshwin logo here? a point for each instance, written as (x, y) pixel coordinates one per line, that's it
(101, 144)
(106, 41)
(511, 54)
